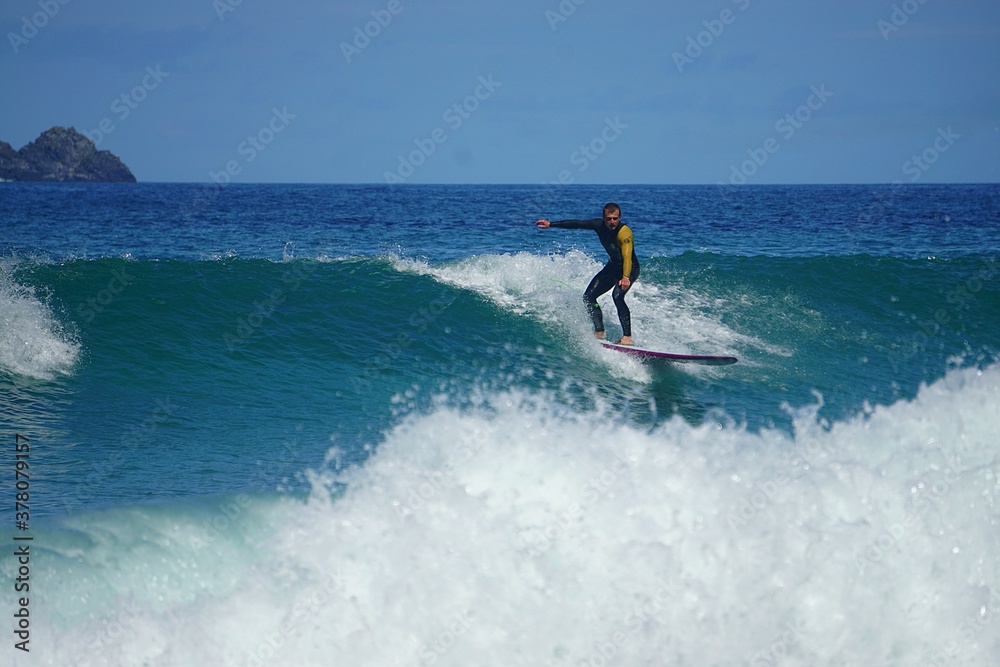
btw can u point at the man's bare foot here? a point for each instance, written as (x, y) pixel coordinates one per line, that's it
(626, 340)
(599, 335)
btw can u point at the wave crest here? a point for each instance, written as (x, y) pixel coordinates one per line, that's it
(33, 342)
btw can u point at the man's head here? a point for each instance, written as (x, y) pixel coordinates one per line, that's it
(612, 215)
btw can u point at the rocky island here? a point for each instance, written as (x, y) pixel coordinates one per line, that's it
(62, 154)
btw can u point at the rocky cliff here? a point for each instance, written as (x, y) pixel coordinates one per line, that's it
(61, 154)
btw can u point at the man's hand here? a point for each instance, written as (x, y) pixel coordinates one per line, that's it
(542, 224)
(625, 283)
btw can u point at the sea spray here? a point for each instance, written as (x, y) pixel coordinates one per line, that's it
(450, 578)
(33, 341)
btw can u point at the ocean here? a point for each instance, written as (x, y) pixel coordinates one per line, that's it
(369, 425)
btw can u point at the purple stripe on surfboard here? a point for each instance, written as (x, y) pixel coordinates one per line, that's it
(704, 359)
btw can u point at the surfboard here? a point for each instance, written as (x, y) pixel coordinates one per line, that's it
(653, 355)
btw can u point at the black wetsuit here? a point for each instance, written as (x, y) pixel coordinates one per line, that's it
(621, 262)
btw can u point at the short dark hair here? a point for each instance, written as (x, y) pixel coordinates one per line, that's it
(611, 206)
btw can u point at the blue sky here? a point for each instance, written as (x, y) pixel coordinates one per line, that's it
(573, 91)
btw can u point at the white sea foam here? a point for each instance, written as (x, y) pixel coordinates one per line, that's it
(523, 533)
(549, 289)
(32, 342)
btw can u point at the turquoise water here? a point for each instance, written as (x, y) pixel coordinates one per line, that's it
(369, 424)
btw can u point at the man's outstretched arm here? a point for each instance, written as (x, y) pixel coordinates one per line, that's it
(569, 224)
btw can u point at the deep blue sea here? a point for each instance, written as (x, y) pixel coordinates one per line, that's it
(369, 425)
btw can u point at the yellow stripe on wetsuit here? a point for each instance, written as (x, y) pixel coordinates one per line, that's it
(625, 245)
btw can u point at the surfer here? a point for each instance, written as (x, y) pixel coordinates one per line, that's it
(619, 273)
